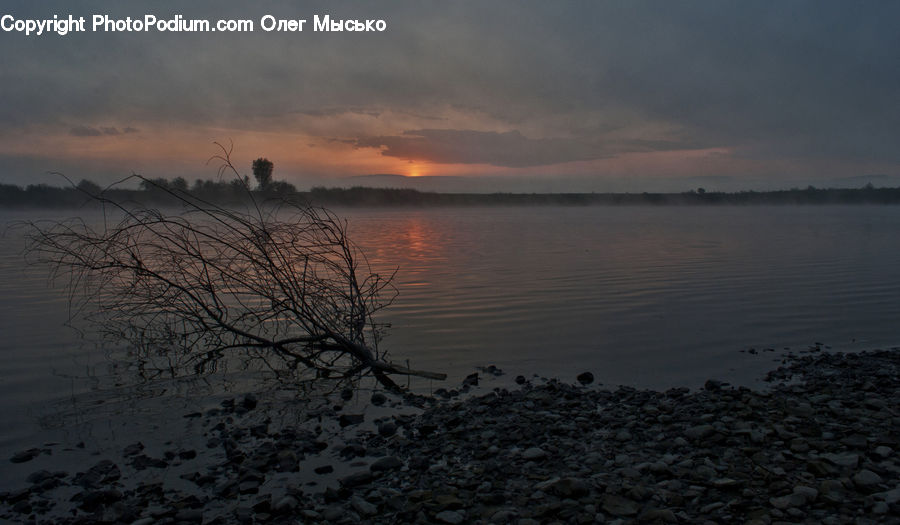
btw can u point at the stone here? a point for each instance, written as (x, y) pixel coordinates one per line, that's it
(832, 490)
(386, 463)
(102, 473)
(40, 476)
(712, 385)
(22, 507)
(387, 429)
(585, 378)
(857, 441)
(883, 451)
(143, 461)
(699, 432)
(503, 516)
(378, 399)
(347, 420)
(657, 516)
(250, 486)
(569, 488)
(189, 515)
(709, 507)
(848, 460)
(890, 496)
(820, 468)
(448, 502)
(133, 449)
(25, 455)
(363, 507)
(619, 506)
(450, 516)
(866, 480)
(534, 453)
(333, 513)
(788, 502)
(249, 402)
(809, 494)
(356, 479)
(623, 435)
(727, 483)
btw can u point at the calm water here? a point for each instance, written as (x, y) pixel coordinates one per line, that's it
(652, 297)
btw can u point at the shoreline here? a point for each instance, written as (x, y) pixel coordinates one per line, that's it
(819, 446)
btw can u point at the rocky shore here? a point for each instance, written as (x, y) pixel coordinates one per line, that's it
(819, 446)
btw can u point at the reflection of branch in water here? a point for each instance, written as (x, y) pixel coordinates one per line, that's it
(189, 288)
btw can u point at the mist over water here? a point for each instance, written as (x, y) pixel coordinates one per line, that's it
(644, 296)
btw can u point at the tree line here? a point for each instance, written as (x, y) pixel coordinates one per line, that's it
(156, 191)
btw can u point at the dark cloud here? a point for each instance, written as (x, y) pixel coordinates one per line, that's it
(90, 131)
(85, 131)
(333, 112)
(458, 146)
(508, 149)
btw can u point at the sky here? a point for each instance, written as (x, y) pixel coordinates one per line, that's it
(465, 96)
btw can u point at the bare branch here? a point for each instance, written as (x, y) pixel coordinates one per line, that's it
(281, 279)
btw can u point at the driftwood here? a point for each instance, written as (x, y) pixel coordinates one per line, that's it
(208, 281)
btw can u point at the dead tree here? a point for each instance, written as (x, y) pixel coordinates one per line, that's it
(205, 282)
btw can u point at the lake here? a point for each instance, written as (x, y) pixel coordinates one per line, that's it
(643, 296)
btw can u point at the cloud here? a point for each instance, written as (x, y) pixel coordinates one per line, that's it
(509, 149)
(461, 146)
(85, 131)
(90, 131)
(337, 111)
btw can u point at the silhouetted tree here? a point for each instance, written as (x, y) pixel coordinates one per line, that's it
(89, 187)
(179, 183)
(262, 172)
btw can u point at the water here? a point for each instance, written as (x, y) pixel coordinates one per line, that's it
(642, 296)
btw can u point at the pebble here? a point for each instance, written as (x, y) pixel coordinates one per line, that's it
(378, 399)
(363, 507)
(25, 455)
(866, 479)
(816, 447)
(449, 516)
(386, 463)
(534, 453)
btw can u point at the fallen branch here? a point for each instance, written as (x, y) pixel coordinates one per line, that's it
(206, 281)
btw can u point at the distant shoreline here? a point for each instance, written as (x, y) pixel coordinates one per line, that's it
(45, 196)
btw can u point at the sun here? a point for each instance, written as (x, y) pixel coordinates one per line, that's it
(414, 170)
